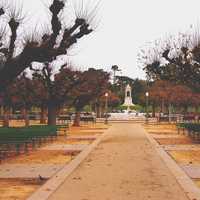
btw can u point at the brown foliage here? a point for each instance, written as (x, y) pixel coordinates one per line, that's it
(175, 94)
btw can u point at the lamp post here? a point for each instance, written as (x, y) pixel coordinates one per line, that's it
(106, 108)
(147, 104)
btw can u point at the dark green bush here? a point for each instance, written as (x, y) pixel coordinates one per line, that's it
(194, 127)
(26, 133)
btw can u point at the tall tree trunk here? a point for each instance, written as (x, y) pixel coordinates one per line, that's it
(77, 118)
(59, 110)
(43, 115)
(52, 111)
(98, 110)
(1, 110)
(196, 109)
(6, 116)
(153, 109)
(26, 118)
(163, 106)
(170, 112)
(25, 114)
(185, 109)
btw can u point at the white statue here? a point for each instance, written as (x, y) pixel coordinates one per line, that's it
(128, 97)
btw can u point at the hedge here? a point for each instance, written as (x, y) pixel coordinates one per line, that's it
(195, 127)
(16, 138)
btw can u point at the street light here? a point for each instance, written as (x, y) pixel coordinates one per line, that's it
(106, 108)
(147, 102)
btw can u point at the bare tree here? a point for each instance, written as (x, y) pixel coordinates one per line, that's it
(35, 50)
(175, 59)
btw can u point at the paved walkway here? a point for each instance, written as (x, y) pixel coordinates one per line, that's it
(124, 166)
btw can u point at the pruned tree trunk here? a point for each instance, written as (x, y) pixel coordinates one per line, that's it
(153, 110)
(77, 118)
(26, 118)
(58, 111)
(196, 109)
(43, 115)
(170, 112)
(98, 110)
(1, 110)
(185, 109)
(25, 114)
(52, 112)
(6, 116)
(163, 106)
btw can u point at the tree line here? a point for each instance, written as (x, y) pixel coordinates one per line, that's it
(44, 46)
(172, 67)
(51, 92)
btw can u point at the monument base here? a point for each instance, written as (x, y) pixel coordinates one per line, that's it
(128, 98)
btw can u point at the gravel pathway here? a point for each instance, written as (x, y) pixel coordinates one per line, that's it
(124, 166)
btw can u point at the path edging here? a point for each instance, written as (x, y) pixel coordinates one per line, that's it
(189, 187)
(45, 191)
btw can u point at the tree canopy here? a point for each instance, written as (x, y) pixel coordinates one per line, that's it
(41, 47)
(176, 59)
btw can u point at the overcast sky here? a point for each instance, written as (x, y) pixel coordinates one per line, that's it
(126, 26)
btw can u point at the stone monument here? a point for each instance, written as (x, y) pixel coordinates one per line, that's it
(128, 97)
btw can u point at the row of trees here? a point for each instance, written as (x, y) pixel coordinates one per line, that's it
(176, 59)
(173, 70)
(50, 92)
(43, 47)
(165, 94)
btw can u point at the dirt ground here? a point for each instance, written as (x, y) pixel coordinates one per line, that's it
(71, 133)
(186, 157)
(15, 189)
(160, 126)
(42, 157)
(63, 140)
(179, 156)
(20, 123)
(92, 126)
(167, 129)
(197, 182)
(174, 141)
(163, 132)
(161, 129)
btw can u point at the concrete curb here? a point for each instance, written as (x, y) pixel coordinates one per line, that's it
(189, 187)
(45, 191)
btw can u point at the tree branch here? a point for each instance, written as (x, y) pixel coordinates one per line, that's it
(44, 52)
(13, 24)
(55, 9)
(69, 38)
(2, 12)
